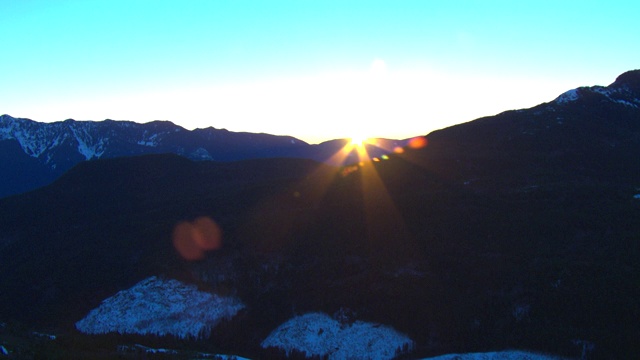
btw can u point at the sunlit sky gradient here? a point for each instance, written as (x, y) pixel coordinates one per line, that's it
(316, 70)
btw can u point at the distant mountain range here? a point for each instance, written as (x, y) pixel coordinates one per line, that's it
(514, 231)
(33, 154)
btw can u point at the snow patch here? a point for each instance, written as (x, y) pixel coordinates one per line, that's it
(138, 349)
(620, 96)
(200, 154)
(160, 307)
(602, 90)
(85, 146)
(615, 94)
(626, 103)
(149, 140)
(500, 355)
(319, 334)
(5, 133)
(33, 140)
(43, 335)
(569, 96)
(228, 357)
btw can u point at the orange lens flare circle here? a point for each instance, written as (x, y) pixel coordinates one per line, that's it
(193, 239)
(417, 142)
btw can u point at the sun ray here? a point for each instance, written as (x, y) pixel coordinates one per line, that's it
(386, 232)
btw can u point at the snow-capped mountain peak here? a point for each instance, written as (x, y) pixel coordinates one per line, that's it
(625, 91)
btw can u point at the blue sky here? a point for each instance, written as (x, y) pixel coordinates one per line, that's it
(315, 70)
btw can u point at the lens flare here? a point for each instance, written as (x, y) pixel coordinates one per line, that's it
(418, 142)
(193, 239)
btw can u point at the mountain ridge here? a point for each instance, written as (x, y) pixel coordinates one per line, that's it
(55, 147)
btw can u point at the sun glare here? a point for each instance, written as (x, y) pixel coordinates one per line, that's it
(358, 140)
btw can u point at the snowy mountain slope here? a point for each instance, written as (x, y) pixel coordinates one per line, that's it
(89, 139)
(623, 91)
(159, 306)
(53, 148)
(58, 146)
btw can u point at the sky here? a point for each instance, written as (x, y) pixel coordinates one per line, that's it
(316, 70)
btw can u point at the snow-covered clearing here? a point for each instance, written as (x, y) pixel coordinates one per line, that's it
(319, 334)
(159, 306)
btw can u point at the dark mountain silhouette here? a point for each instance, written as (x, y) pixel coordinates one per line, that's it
(518, 230)
(34, 154)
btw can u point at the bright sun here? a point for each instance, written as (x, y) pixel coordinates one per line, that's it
(358, 140)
